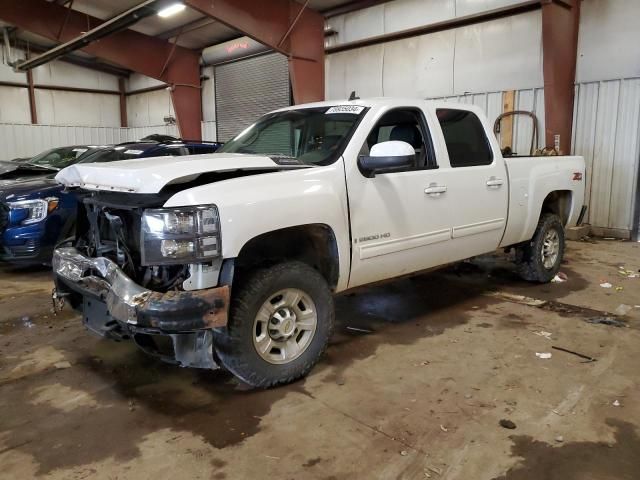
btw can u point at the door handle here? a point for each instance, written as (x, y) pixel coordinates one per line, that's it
(494, 182)
(435, 190)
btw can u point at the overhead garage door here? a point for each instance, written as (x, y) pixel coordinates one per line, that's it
(247, 89)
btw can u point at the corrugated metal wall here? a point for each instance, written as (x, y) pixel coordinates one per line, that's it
(606, 133)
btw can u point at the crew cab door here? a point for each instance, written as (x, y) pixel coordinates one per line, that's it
(476, 180)
(399, 220)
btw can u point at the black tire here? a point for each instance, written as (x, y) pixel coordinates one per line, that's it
(530, 258)
(234, 345)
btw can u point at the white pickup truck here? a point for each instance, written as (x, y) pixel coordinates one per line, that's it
(232, 259)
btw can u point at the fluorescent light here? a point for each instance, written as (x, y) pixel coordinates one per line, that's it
(171, 10)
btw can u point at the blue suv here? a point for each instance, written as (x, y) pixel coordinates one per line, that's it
(35, 211)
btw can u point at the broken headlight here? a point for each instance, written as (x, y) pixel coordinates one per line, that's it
(180, 235)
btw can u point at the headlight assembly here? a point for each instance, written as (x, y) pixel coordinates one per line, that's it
(27, 212)
(180, 235)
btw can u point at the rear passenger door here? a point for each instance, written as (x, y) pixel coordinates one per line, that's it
(476, 181)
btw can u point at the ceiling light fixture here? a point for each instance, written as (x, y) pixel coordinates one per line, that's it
(171, 10)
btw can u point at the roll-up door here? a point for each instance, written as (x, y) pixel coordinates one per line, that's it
(247, 89)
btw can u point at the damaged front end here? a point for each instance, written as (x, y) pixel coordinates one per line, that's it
(103, 276)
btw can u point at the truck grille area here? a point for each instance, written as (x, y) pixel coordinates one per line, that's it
(110, 226)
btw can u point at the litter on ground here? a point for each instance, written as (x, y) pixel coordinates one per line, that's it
(543, 355)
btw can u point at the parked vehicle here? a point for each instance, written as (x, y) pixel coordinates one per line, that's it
(44, 164)
(38, 212)
(233, 258)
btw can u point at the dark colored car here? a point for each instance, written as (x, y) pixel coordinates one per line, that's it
(35, 211)
(44, 163)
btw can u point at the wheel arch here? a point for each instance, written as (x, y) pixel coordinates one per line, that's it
(314, 244)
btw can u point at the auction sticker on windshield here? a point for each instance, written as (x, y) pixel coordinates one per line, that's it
(355, 109)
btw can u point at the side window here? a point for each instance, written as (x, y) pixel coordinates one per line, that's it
(173, 152)
(465, 137)
(406, 125)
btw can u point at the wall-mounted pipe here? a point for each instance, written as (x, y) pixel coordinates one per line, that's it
(7, 46)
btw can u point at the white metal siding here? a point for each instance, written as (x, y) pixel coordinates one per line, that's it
(246, 89)
(27, 140)
(502, 54)
(606, 133)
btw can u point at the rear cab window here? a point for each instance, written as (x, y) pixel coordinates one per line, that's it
(465, 138)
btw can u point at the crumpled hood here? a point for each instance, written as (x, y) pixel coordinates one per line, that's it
(150, 175)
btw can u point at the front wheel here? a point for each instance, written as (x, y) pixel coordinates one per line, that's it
(540, 259)
(280, 322)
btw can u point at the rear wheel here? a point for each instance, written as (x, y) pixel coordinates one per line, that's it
(280, 322)
(540, 259)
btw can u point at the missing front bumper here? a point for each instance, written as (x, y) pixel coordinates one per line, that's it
(114, 306)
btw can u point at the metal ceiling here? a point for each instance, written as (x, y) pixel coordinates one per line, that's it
(189, 28)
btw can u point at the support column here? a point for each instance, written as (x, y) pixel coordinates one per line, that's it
(123, 102)
(560, 24)
(32, 98)
(288, 27)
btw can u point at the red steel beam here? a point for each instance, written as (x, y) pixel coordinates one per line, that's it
(32, 98)
(122, 90)
(560, 24)
(283, 26)
(127, 48)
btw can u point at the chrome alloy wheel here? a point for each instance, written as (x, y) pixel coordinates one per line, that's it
(284, 326)
(550, 248)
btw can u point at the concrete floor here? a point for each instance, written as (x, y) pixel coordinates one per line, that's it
(450, 354)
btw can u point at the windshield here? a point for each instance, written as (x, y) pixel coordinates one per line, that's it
(314, 136)
(58, 158)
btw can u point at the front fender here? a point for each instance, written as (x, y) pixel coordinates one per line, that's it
(254, 205)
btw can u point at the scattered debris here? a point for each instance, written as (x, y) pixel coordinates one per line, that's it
(521, 299)
(623, 309)
(436, 470)
(504, 423)
(606, 285)
(404, 453)
(560, 278)
(544, 334)
(616, 403)
(62, 365)
(543, 355)
(443, 428)
(359, 330)
(586, 357)
(272, 458)
(606, 321)
(619, 289)
(627, 273)
(132, 405)
(559, 439)
(26, 321)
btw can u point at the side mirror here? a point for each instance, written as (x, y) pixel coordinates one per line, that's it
(387, 157)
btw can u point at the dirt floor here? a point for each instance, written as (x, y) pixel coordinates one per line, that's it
(420, 393)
